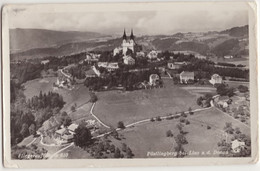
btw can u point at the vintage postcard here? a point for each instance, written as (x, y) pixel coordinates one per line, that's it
(129, 84)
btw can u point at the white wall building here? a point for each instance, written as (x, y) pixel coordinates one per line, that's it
(215, 79)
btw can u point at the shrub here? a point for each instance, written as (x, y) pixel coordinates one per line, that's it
(182, 119)
(158, 118)
(187, 122)
(152, 120)
(169, 133)
(208, 127)
(121, 125)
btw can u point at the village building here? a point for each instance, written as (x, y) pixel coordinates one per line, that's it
(44, 62)
(153, 79)
(215, 79)
(140, 54)
(128, 60)
(237, 146)
(72, 128)
(228, 57)
(110, 66)
(198, 56)
(152, 55)
(175, 65)
(185, 77)
(117, 50)
(91, 73)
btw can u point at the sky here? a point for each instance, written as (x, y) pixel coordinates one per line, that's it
(143, 22)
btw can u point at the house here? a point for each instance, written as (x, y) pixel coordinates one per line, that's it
(72, 128)
(128, 60)
(44, 62)
(140, 54)
(152, 55)
(237, 146)
(61, 131)
(117, 51)
(91, 73)
(176, 65)
(215, 79)
(186, 76)
(110, 66)
(198, 56)
(223, 101)
(153, 79)
(228, 57)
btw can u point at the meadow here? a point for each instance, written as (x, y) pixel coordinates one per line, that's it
(151, 137)
(129, 107)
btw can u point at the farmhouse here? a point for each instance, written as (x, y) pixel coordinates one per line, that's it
(176, 65)
(198, 56)
(215, 79)
(152, 55)
(44, 62)
(153, 79)
(237, 146)
(91, 73)
(110, 66)
(72, 128)
(128, 60)
(228, 57)
(186, 76)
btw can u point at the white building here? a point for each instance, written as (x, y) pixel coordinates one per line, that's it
(110, 66)
(44, 62)
(153, 79)
(228, 57)
(215, 79)
(117, 51)
(237, 146)
(128, 60)
(186, 76)
(152, 55)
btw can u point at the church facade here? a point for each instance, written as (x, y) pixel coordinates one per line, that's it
(128, 43)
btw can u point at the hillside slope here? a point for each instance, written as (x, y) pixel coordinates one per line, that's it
(26, 39)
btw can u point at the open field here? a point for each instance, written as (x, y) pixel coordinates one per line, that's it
(114, 106)
(235, 84)
(236, 61)
(151, 137)
(79, 95)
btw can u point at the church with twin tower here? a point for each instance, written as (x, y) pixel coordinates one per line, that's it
(128, 43)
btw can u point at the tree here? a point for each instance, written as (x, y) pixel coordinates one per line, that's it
(67, 121)
(129, 153)
(72, 108)
(242, 89)
(93, 97)
(228, 128)
(124, 147)
(169, 133)
(82, 136)
(32, 129)
(121, 125)
(25, 130)
(117, 153)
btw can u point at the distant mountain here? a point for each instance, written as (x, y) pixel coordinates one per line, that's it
(26, 39)
(236, 31)
(42, 43)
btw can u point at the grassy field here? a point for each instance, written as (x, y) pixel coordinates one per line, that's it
(79, 95)
(151, 137)
(114, 106)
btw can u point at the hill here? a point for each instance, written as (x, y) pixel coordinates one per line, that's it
(26, 39)
(41, 43)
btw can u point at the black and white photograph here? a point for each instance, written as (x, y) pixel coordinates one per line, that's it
(130, 81)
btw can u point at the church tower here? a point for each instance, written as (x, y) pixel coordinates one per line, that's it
(128, 43)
